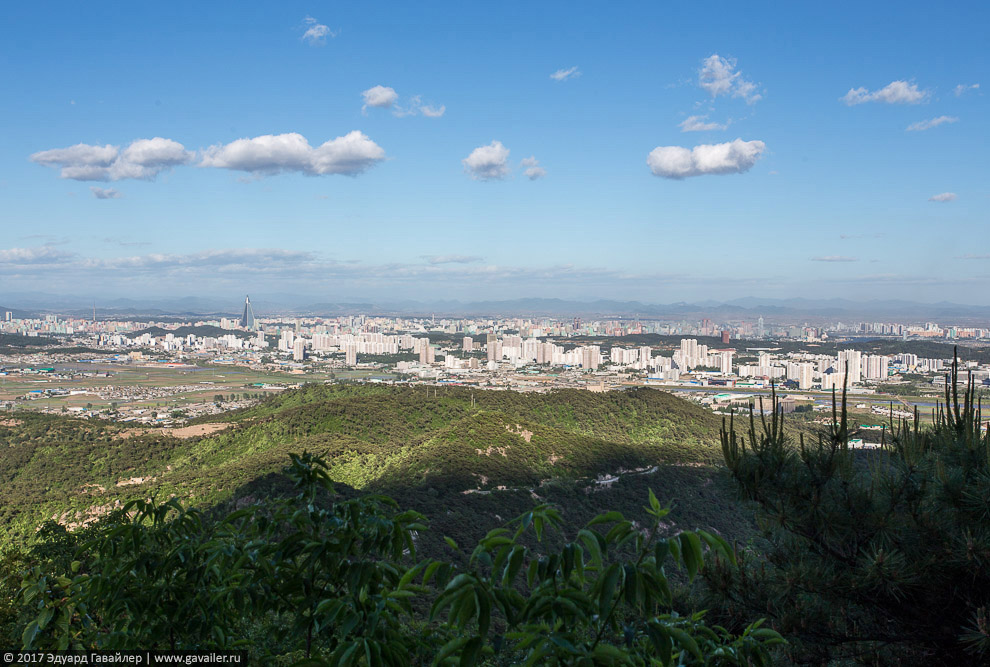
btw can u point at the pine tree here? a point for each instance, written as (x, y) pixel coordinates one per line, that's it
(878, 555)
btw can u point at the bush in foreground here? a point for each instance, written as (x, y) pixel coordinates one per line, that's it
(312, 581)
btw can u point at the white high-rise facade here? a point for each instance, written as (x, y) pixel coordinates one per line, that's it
(875, 367)
(850, 362)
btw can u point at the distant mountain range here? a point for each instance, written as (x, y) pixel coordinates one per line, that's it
(796, 309)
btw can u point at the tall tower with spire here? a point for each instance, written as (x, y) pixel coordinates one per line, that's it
(247, 319)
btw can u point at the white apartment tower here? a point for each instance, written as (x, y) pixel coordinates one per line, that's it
(850, 362)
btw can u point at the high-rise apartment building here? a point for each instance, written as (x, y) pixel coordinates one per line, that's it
(875, 367)
(427, 354)
(850, 362)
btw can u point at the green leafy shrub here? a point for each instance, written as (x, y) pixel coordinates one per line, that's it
(320, 580)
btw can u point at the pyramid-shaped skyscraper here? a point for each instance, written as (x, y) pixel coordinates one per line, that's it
(247, 319)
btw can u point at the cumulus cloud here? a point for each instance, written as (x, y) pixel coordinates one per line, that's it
(384, 97)
(719, 76)
(316, 33)
(963, 88)
(565, 74)
(452, 259)
(676, 162)
(834, 258)
(922, 125)
(895, 92)
(487, 163)
(944, 197)
(143, 159)
(104, 193)
(45, 254)
(270, 154)
(698, 124)
(533, 169)
(379, 96)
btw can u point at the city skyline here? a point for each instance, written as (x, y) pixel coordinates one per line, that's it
(655, 154)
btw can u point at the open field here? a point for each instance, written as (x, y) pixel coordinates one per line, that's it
(147, 386)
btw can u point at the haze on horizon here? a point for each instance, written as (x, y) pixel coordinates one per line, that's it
(656, 154)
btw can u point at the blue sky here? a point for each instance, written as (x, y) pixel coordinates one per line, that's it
(808, 181)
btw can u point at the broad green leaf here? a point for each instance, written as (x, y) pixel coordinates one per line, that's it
(609, 582)
(686, 641)
(29, 634)
(471, 652)
(607, 517)
(691, 550)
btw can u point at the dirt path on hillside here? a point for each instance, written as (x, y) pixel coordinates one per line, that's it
(182, 432)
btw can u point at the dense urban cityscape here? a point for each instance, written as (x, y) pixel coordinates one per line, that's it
(721, 364)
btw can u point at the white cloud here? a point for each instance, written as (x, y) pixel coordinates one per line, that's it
(565, 74)
(974, 256)
(146, 158)
(533, 169)
(922, 125)
(944, 197)
(718, 76)
(379, 96)
(677, 162)
(416, 106)
(268, 154)
(232, 259)
(143, 159)
(487, 163)
(432, 111)
(316, 33)
(385, 97)
(895, 92)
(698, 124)
(963, 88)
(104, 193)
(40, 255)
(834, 258)
(236, 268)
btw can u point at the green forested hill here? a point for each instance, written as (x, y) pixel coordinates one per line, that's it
(465, 457)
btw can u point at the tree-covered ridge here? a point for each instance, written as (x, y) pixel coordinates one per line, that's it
(397, 440)
(12, 343)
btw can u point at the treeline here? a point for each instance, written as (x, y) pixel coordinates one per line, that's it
(8, 340)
